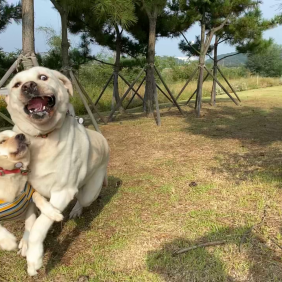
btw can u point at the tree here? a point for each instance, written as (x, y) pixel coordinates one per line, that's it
(156, 19)
(64, 7)
(153, 9)
(111, 19)
(8, 13)
(246, 34)
(53, 59)
(212, 15)
(267, 63)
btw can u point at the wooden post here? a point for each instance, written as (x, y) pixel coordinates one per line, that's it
(164, 93)
(222, 87)
(89, 100)
(8, 73)
(157, 108)
(136, 93)
(103, 90)
(196, 91)
(167, 89)
(124, 95)
(190, 78)
(84, 101)
(233, 90)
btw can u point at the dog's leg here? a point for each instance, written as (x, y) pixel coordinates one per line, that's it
(45, 207)
(39, 230)
(90, 192)
(29, 221)
(8, 241)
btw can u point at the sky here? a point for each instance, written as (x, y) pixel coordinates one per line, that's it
(47, 16)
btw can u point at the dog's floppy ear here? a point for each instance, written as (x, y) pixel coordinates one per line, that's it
(65, 81)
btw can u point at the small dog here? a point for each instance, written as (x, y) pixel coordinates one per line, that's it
(17, 197)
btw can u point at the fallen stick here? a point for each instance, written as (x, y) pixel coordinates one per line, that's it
(208, 244)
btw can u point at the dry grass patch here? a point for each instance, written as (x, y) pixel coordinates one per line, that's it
(192, 180)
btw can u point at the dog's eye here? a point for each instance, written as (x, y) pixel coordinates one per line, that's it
(3, 141)
(17, 84)
(43, 77)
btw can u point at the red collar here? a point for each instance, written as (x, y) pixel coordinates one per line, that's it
(13, 171)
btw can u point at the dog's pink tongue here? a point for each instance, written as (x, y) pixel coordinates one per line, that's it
(37, 104)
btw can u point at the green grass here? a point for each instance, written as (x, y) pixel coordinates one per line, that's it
(233, 153)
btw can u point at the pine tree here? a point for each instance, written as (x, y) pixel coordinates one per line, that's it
(8, 13)
(212, 15)
(111, 18)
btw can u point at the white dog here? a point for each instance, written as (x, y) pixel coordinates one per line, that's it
(67, 160)
(17, 197)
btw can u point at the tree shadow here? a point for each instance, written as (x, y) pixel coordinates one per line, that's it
(250, 125)
(57, 248)
(207, 264)
(263, 164)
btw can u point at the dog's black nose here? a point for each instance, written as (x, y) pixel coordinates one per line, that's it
(29, 86)
(20, 137)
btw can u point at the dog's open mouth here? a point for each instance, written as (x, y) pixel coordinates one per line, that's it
(39, 107)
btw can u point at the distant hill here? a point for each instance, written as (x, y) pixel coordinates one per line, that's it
(234, 61)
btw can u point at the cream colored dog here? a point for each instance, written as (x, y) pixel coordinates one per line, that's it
(67, 160)
(15, 192)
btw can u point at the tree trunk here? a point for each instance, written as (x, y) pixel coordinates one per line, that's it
(213, 94)
(201, 69)
(65, 43)
(117, 68)
(28, 32)
(150, 88)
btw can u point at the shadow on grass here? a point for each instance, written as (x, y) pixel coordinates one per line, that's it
(250, 125)
(57, 248)
(263, 164)
(261, 263)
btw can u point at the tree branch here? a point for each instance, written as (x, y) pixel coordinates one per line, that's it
(228, 56)
(208, 244)
(57, 6)
(100, 61)
(193, 47)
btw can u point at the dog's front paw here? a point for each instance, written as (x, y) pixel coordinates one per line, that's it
(34, 259)
(23, 247)
(55, 215)
(8, 241)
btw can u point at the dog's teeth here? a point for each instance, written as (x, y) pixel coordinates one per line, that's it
(44, 108)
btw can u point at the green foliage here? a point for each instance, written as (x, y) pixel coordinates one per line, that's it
(114, 12)
(6, 60)
(192, 49)
(9, 12)
(53, 59)
(268, 63)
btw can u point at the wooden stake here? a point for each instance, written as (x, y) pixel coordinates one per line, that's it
(90, 101)
(157, 108)
(106, 85)
(222, 87)
(164, 93)
(135, 91)
(167, 89)
(124, 95)
(196, 90)
(228, 83)
(84, 101)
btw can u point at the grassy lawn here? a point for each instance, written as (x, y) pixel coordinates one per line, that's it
(151, 207)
